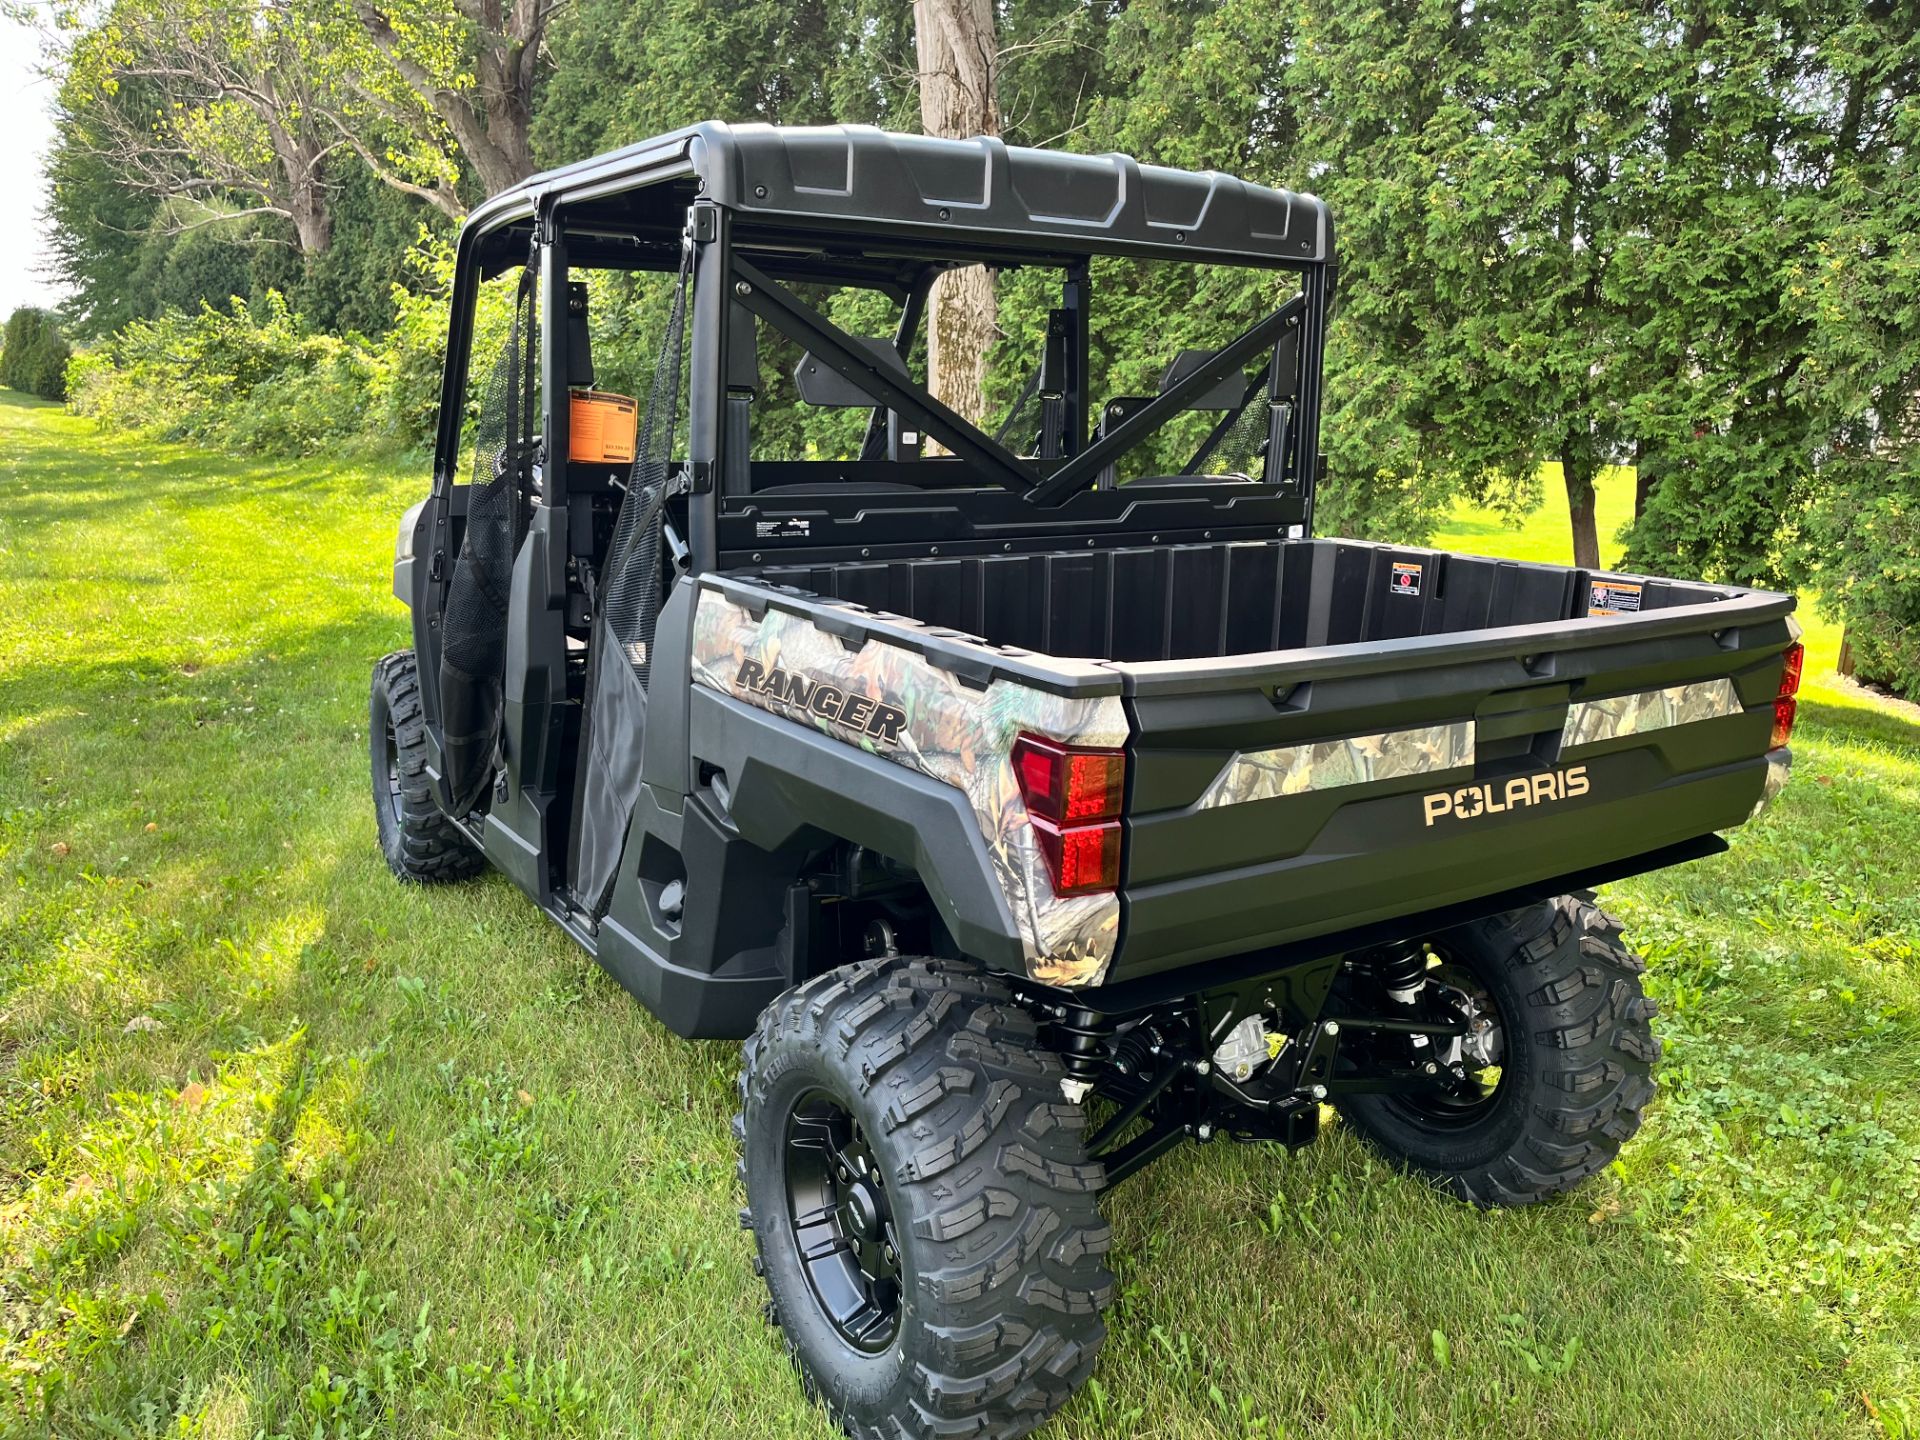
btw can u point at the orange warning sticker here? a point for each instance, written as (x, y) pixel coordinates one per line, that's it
(1614, 597)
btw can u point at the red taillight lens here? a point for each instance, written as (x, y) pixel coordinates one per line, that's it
(1074, 796)
(1783, 709)
(1796, 661)
(1082, 858)
(1793, 662)
(1069, 785)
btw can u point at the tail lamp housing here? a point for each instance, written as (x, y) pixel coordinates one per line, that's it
(1785, 704)
(1074, 795)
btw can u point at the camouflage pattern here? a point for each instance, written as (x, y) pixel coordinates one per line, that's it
(1590, 721)
(1779, 766)
(1325, 764)
(960, 736)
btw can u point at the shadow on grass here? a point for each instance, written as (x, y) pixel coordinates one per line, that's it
(1464, 526)
(1331, 1264)
(1858, 725)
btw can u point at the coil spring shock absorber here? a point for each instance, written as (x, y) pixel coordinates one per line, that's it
(1402, 972)
(1080, 1036)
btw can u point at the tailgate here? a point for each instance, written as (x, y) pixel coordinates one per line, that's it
(1281, 796)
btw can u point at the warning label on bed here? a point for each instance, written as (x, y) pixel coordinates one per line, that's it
(789, 528)
(1406, 578)
(1614, 597)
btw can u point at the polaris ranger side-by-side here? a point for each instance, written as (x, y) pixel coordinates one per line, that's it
(1034, 800)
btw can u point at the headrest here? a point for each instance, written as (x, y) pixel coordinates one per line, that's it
(820, 384)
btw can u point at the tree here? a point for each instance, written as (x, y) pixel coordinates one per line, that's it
(194, 99)
(34, 354)
(1394, 120)
(958, 52)
(467, 71)
(1724, 432)
(622, 71)
(1859, 284)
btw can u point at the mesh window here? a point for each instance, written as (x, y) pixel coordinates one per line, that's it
(473, 655)
(634, 582)
(1020, 431)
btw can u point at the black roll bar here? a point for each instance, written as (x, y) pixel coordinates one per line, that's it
(828, 343)
(1231, 358)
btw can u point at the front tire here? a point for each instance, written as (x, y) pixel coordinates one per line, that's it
(921, 1202)
(1577, 1051)
(418, 840)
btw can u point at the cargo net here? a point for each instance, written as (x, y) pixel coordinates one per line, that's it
(634, 584)
(1238, 444)
(475, 640)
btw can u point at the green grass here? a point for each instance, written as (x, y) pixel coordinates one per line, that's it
(287, 1149)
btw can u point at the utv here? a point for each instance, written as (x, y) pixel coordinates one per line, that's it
(1029, 801)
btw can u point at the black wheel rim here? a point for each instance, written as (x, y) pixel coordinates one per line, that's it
(1453, 993)
(842, 1223)
(390, 756)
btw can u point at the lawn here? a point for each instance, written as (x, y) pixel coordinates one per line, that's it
(287, 1149)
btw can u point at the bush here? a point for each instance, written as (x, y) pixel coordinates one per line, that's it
(257, 378)
(247, 378)
(34, 354)
(1864, 527)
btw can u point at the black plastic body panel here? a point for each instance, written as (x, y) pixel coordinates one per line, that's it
(926, 193)
(785, 778)
(708, 969)
(775, 530)
(1214, 599)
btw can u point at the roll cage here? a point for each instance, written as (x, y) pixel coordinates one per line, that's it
(747, 213)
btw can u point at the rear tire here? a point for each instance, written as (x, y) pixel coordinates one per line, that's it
(1577, 1070)
(418, 840)
(954, 1285)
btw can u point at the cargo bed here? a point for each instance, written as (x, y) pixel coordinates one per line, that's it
(1325, 734)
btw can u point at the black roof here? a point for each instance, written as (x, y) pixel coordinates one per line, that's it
(977, 194)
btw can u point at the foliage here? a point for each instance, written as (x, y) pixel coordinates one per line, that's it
(1860, 291)
(34, 353)
(256, 377)
(623, 72)
(213, 106)
(1344, 100)
(251, 377)
(124, 256)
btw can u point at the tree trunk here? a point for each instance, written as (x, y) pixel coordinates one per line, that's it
(1580, 471)
(301, 158)
(958, 54)
(312, 221)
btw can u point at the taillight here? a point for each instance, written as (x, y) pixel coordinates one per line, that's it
(1068, 784)
(1784, 704)
(1073, 796)
(1082, 859)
